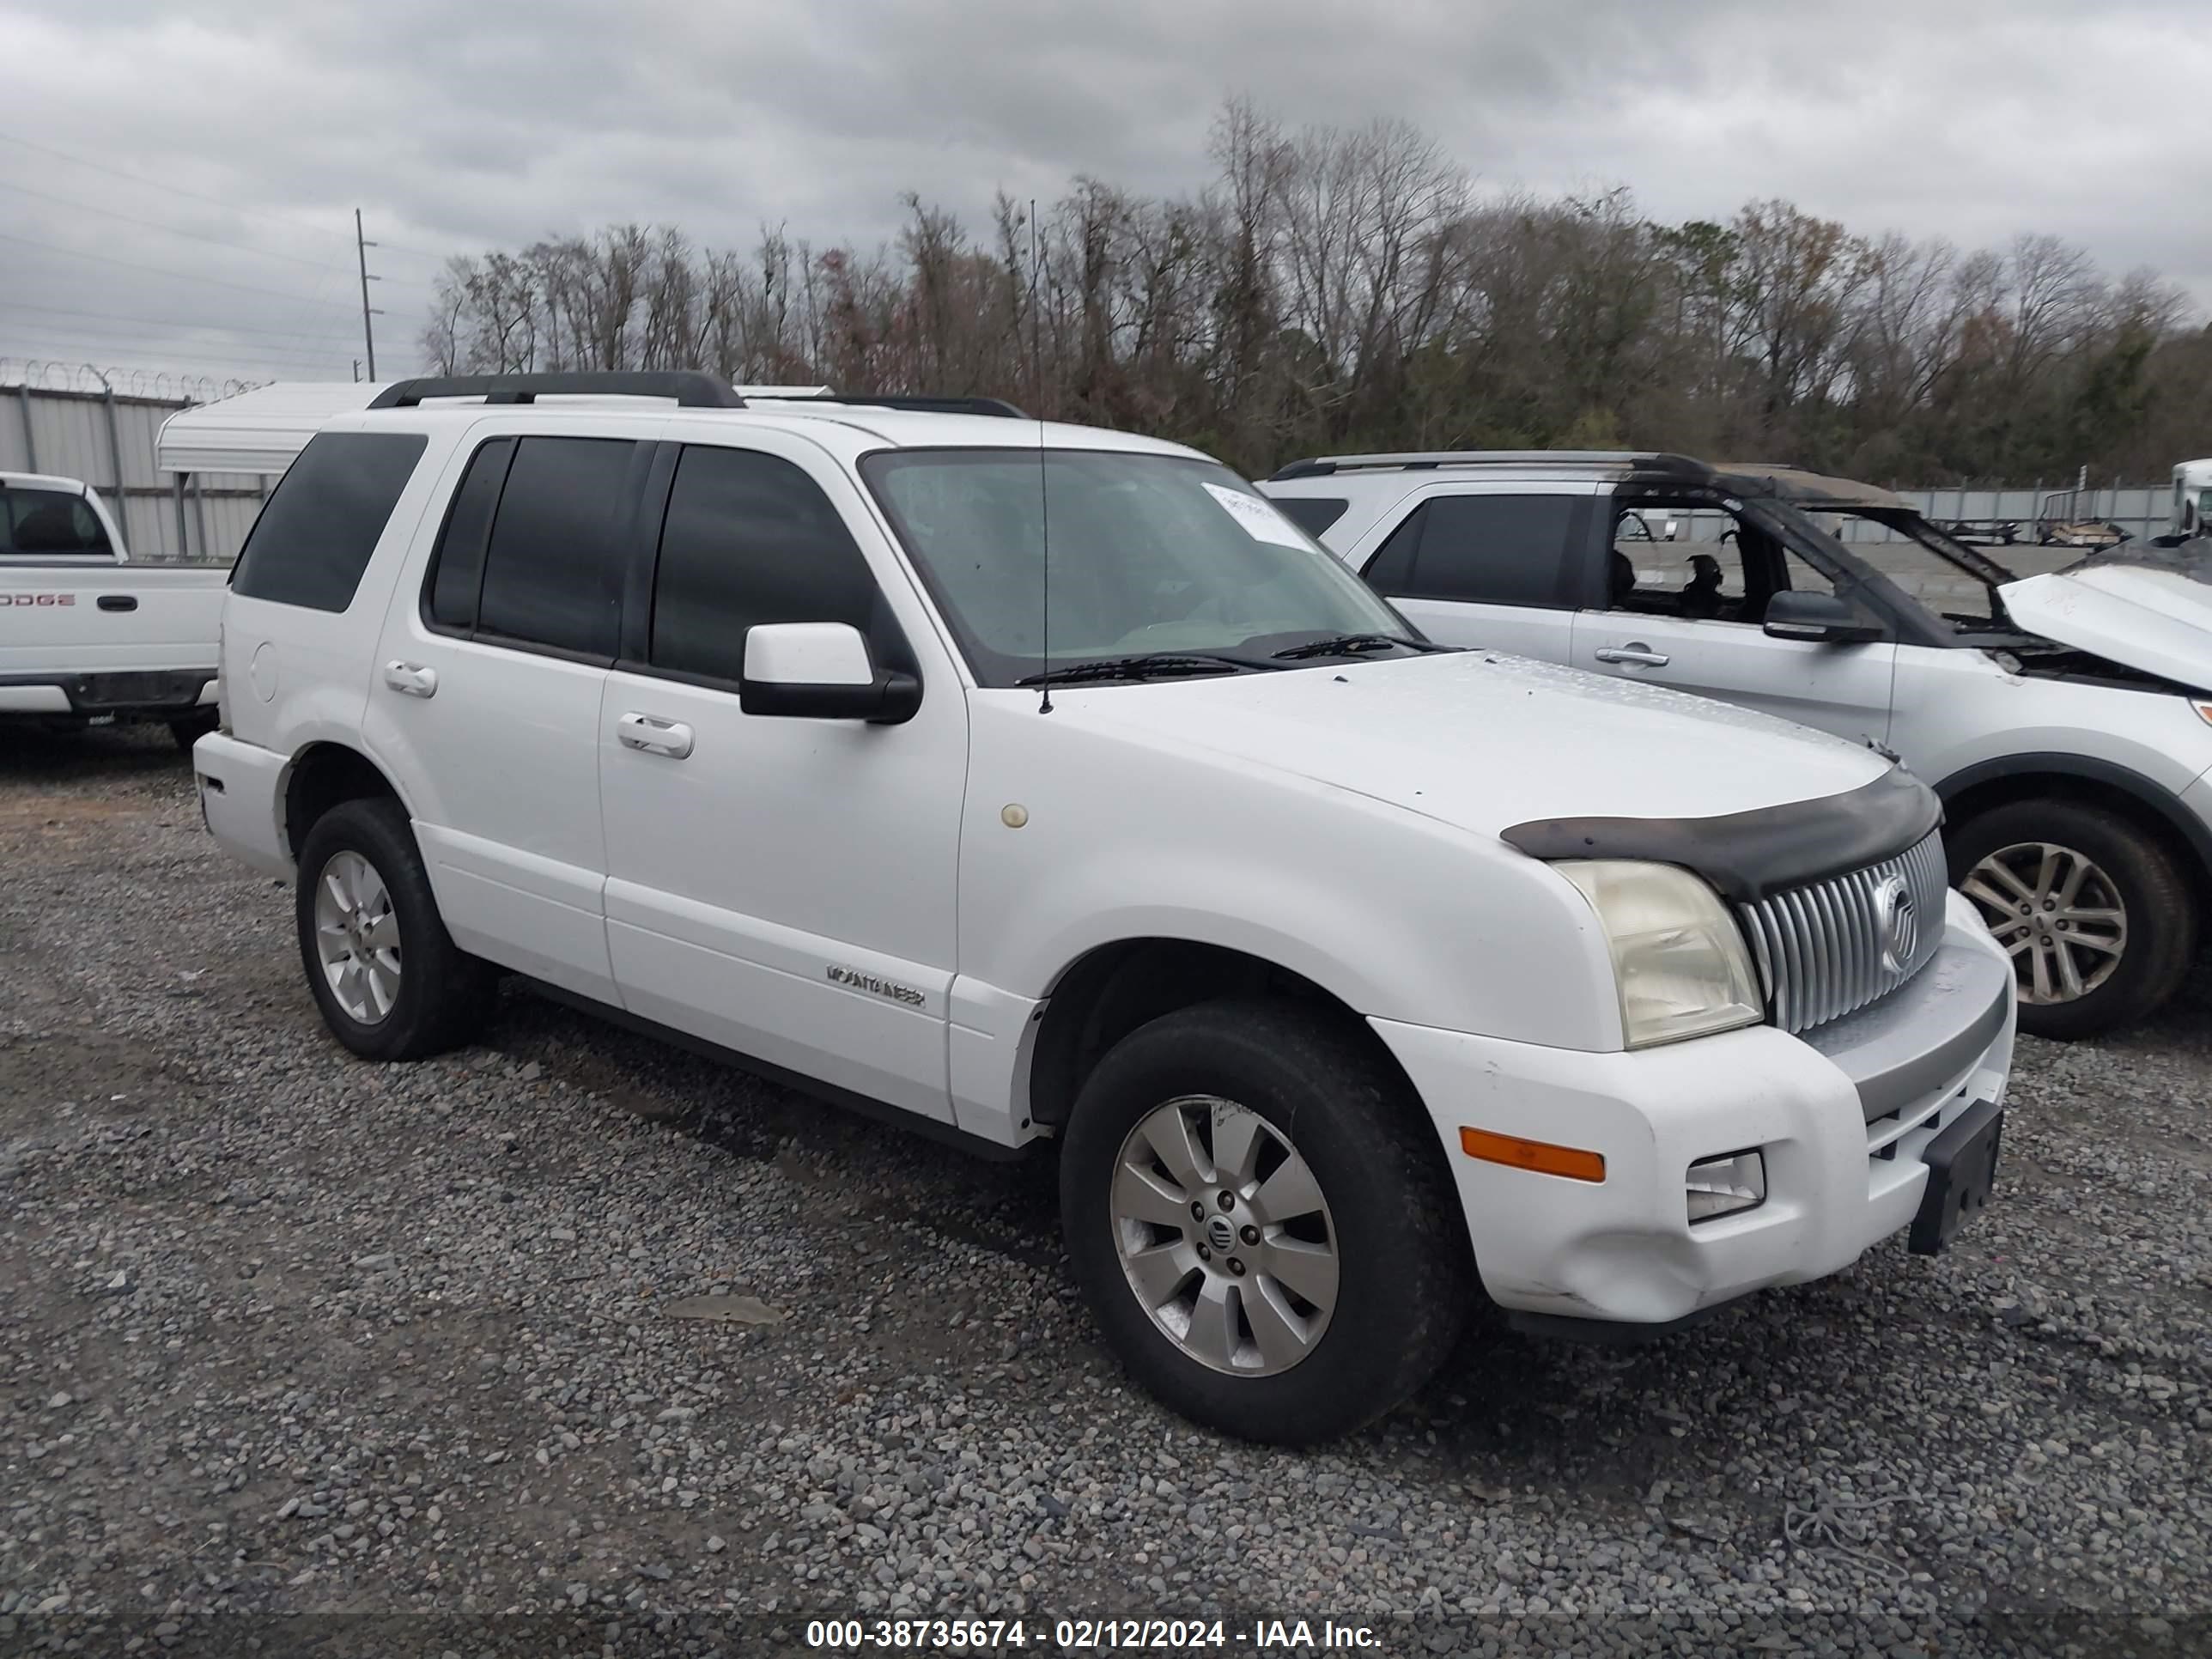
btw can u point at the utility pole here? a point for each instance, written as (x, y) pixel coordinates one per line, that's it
(361, 247)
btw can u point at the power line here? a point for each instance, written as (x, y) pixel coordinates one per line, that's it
(49, 351)
(199, 196)
(79, 333)
(55, 340)
(172, 230)
(170, 322)
(156, 270)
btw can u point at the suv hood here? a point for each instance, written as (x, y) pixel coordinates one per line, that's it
(1486, 741)
(2153, 617)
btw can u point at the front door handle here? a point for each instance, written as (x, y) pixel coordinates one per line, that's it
(654, 736)
(1636, 652)
(411, 679)
(119, 602)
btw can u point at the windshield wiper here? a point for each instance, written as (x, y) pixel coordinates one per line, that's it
(1156, 664)
(1348, 645)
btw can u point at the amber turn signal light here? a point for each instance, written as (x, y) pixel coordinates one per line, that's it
(1541, 1156)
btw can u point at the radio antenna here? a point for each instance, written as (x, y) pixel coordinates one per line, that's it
(1044, 487)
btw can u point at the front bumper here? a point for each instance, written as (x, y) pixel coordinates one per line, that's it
(1841, 1116)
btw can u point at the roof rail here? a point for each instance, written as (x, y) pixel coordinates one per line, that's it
(932, 405)
(691, 388)
(1646, 460)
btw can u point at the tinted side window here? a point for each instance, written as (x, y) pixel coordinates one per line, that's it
(1390, 572)
(313, 538)
(1311, 514)
(49, 524)
(457, 563)
(750, 538)
(553, 570)
(1497, 549)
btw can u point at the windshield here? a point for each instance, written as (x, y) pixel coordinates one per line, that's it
(1146, 553)
(1947, 578)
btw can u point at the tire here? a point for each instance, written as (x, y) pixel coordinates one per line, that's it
(2131, 871)
(433, 996)
(190, 729)
(1403, 1280)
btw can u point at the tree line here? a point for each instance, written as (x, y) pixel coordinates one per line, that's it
(1336, 289)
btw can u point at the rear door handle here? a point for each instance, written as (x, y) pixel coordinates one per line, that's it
(652, 735)
(1636, 652)
(119, 602)
(411, 679)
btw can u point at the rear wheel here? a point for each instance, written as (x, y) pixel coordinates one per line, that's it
(2093, 912)
(390, 981)
(1258, 1213)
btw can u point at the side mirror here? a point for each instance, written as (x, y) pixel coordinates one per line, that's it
(1818, 619)
(822, 671)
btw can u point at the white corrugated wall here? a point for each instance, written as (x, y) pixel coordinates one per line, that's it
(82, 435)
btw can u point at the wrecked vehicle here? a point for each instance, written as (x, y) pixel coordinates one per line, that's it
(2059, 524)
(2065, 718)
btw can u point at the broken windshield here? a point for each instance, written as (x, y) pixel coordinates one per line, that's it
(1942, 576)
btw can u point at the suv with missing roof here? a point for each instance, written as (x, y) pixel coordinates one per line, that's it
(1032, 783)
(2064, 717)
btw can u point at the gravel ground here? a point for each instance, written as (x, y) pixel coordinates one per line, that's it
(289, 1337)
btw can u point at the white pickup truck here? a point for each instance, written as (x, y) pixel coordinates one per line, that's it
(87, 637)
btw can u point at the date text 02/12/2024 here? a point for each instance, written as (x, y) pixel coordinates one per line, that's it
(1264, 1636)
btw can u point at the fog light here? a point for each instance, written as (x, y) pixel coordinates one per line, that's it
(1727, 1185)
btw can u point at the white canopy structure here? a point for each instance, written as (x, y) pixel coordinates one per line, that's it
(259, 431)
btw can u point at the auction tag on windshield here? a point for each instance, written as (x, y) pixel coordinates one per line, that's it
(1260, 521)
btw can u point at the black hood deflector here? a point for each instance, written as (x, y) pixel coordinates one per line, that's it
(1752, 856)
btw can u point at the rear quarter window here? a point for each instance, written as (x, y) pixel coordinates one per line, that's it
(1311, 514)
(313, 539)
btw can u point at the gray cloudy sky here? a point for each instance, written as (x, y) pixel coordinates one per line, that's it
(249, 130)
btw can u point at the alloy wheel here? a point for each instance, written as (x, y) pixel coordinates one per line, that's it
(2057, 914)
(357, 937)
(1225, 1237)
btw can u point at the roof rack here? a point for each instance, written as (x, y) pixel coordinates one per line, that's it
(1642, 460)
(931, 404)
(691, 388)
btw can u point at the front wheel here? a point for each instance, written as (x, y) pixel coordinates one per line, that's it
(390, 981)
(1259, 1215)
(2094, 913)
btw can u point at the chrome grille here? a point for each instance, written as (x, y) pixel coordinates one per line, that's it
(1822, 947)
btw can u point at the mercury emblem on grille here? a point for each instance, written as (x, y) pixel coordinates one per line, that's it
(1899, 923)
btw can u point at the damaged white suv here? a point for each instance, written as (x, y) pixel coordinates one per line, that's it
(2064, 717)
(1033, 782)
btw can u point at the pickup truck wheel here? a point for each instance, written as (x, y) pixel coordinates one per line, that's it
(389, 979)
(1257, 1212)
(2094, 913)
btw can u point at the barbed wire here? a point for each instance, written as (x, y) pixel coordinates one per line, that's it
(170, 385)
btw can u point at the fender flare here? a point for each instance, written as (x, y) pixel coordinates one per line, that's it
(2139, 789)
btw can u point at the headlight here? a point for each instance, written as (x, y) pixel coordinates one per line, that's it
(1678, 956)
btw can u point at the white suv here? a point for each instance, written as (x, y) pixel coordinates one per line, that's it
(2064, 717)
(1032, 781)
